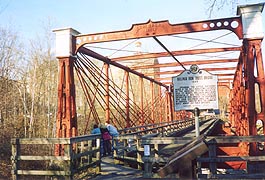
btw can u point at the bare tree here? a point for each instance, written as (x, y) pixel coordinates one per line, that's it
(10, 61)
(43, 83)
(11, 106)
(217, 5)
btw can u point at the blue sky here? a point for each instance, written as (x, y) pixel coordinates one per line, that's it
(29, 16)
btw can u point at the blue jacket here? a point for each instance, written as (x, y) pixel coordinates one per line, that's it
(96, 131)
(112, 130)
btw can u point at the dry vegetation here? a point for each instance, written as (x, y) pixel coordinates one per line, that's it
(28, 92)
(28, 84)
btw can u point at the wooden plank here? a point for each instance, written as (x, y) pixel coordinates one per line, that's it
(41, 141)
(120, 157)
(182, 158)
(43, 158)
(205, 126)
(166, 140)
(86, 166)
(238, 176)
(235, 139)
(126, 136)
(85, 153)
(43, 173)
(155, 159)
(231, 158)
(168, 150)
(54, 140)
(150, 135)
(85, 138)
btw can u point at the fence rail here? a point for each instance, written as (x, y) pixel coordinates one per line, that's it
(212, 158)
(165, 128)
(129, 148)
(78, 155)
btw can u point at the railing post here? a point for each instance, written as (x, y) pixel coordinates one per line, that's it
(147, 162)
(115, 149)
(212, 154)
(82, 148)
(156, 150)
(68, 152)
(125, 144)
(89, 148)
(98, 155)
(15, 153)
(139, 158)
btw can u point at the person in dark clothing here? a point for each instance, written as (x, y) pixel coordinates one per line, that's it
(106, 140)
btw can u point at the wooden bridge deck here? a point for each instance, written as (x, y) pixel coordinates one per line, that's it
(110, 171)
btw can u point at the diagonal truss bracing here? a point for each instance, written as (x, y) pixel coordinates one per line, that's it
(116, 96)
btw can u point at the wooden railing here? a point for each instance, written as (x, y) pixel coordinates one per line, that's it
(35, 156)
(255, 171)
(164, 128)
(78, 155)
(211, 157)
(128, 147)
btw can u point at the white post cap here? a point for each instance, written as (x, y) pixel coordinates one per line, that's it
(251, 20)
(64, 41)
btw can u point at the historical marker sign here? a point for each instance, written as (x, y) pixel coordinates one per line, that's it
(195, 88)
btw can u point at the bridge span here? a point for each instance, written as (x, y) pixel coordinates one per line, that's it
(132, 89)
(167, 150)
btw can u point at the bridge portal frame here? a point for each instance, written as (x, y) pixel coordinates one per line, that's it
(246, 26)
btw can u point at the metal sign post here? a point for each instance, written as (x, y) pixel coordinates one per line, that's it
(197, 123)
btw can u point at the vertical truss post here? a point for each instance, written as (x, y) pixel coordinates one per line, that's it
(160, 105)
(107, 96)
(152, 102)
(142, 100)
(66, 124)
(66, 116)
(260, 79)
(250, 90)
(237, 100)
(252, 36)
(127, 99)
(254, 56)
(242, 95)
(170, 103)
(167, 107)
